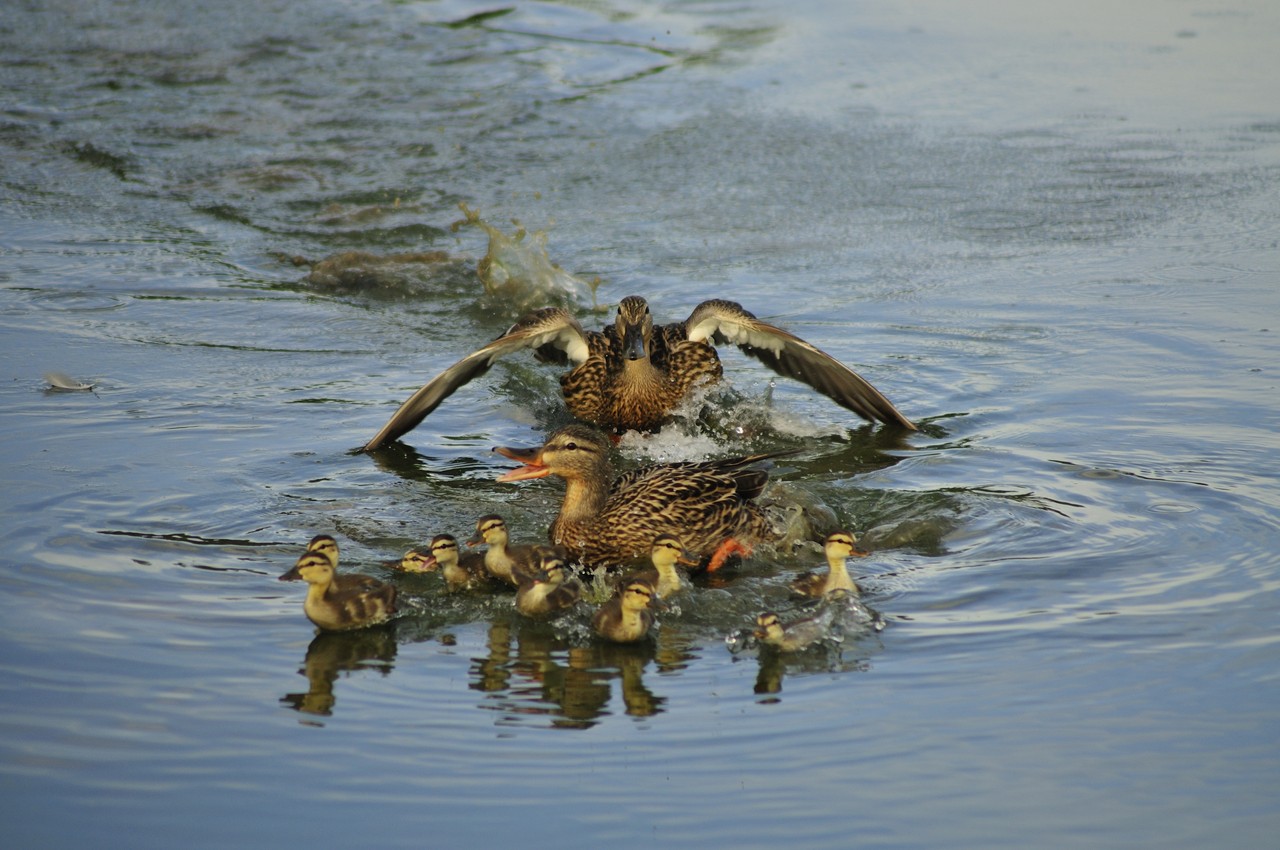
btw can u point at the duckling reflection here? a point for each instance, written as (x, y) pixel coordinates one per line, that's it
(332, 653)
(547, 675)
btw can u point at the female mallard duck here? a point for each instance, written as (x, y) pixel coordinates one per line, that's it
(626, 618)
(793, 636)
(326, 545)
(607, 522)
(508, 563)
(333, 608)
(460, 572)
(839, 546)
(550, 590)
(631, 375)
(666, 552)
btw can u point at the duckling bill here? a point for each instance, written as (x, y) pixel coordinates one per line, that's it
(632, 374)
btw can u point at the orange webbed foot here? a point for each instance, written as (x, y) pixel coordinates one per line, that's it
(724, 552)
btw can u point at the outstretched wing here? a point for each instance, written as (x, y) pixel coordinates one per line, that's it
(551, 331)
(725, 321)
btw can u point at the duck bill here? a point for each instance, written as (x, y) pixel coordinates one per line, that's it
(685, 561)
(292, 575)
(525, 473)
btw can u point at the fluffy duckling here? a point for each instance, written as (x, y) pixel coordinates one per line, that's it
(840, 545)
(667, 551)
(552, 589)
(792, 636)
(326, 545)
(416, 561)
(460, 572)
(333, 608)
(633, 373)
(626, 618)
(512, 564)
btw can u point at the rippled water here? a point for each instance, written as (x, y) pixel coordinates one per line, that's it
(1048, 234)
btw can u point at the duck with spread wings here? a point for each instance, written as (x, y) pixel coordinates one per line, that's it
(633, 373)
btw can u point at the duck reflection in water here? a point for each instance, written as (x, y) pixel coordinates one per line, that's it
(534, 670)
(332, 653)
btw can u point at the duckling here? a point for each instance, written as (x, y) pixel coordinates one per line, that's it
(326, 545)
(460, 572)
(508, 563)
(667, 551)
(550, 590)
(633, 374)
(793, 636)
(607, 521)
(839, 546)
(333, 608)
(416, 561)
(626, 618)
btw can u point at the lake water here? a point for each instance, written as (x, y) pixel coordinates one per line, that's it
(1048, 232)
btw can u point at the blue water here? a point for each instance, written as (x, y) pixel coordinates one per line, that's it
(1048, 234)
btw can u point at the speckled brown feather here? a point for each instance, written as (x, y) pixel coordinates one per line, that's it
(605, 521)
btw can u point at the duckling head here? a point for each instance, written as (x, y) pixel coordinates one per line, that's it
(444, 551)
(490, 529)
(312, 567)
(325, 545)
(840, 544)
(667, 551)
(637, 595)
(768, 626)
(417, 561)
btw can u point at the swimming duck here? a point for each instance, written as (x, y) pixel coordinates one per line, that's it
(508, 563)
(461, 572)
(326, 545)
(666, 552)
(793, 636)
(607, 521)
(333, 608)
(550, 590)
(632, 374)
(626, 618)
(839, 546)
(416, 561)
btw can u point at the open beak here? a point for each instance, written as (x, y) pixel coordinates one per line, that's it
(533, 467)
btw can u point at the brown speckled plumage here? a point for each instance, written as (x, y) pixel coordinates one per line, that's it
(607, 521)
(633, 374)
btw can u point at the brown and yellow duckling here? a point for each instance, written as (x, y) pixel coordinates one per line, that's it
(667, 551)
(627, 617)
(334, 608)
(509, 563)
(840, 545)
(460, 572)
(793, 636)
(607, 521)
(632, 374)
(550, 590)
(416, 561)
(326, 545)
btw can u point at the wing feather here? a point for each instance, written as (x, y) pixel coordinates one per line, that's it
(552, 332)
(787, 354)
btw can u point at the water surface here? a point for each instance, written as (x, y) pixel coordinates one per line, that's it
(1048, 234)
